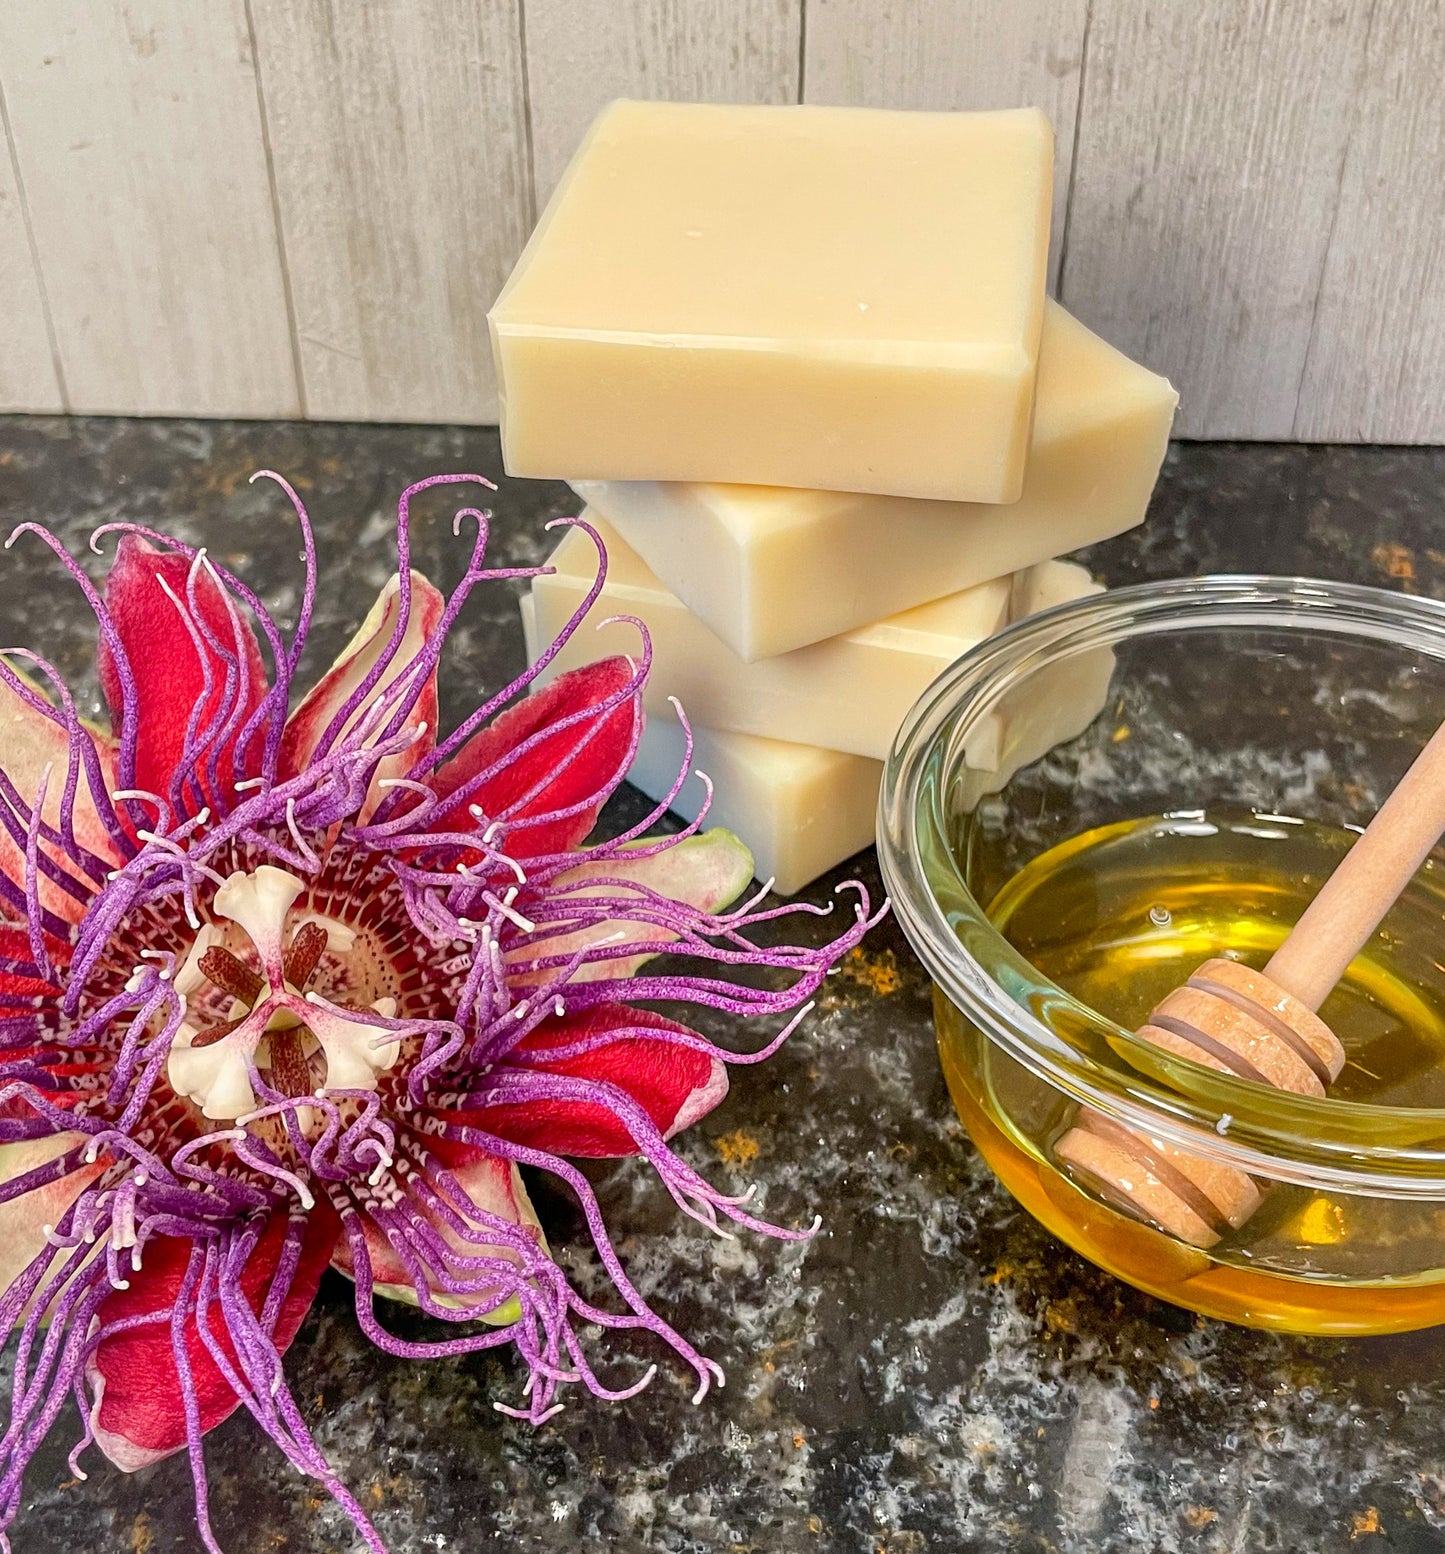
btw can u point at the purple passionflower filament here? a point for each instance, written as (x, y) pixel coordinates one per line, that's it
(291, 986)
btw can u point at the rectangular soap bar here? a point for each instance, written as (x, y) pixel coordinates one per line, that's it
(848, 693)
(1052, 705)
(770, 568)
(803, 810)
(1049, 584)
(800, 809)
(847, 298)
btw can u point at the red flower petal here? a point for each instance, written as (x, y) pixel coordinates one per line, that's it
(28, 1039)
(166, 661)
(492, 1184)
(600, 744)
(15, 946)
(313, 717)
(139, 1418)
(674, 1084)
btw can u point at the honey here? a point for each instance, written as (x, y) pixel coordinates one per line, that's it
(1121, 915)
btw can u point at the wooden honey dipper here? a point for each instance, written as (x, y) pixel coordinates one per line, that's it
(1261, 1025)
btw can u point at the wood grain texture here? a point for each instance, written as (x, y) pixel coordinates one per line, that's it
(1212, 139)
(138, 137)
(27, 368)
(1255, 209)
(583, 53)
(398, 143)
(965, 54)
(1376, 367)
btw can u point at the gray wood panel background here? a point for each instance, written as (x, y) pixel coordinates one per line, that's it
(282, 207)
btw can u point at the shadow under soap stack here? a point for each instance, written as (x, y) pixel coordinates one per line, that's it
(799, 364)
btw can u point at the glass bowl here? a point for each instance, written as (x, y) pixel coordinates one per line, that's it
(1270, 700)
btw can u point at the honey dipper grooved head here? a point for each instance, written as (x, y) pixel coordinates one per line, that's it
(1193, 1199)
(1237, 1021)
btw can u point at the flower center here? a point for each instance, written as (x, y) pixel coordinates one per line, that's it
(273, 1024)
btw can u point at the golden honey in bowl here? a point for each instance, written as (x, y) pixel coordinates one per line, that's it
(1124, 913)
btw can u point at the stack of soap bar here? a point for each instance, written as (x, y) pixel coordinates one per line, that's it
(770, 568)
(837, 297)
(799, 364)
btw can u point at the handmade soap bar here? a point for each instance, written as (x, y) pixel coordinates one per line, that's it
(848, 693)
(1053, 704)
(1046, 585)
(800, 809)
(770, 568)
(847, 298)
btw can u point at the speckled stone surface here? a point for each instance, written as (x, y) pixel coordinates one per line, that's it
(933, 1372)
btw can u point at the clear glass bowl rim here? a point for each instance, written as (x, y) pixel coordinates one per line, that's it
(1282, 1140)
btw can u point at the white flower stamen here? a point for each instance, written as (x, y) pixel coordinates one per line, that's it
(258, 902)
(217, 1076)
(505, 907)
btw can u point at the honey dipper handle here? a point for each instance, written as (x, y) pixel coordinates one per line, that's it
(1365, 885)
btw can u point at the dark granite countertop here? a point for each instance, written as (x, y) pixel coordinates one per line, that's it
(933, 1372)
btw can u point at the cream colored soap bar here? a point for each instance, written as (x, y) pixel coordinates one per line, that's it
(1054, 704)
(847, 298)
(848, 693)
(802, 809)
(770, 569)
(1049, 584)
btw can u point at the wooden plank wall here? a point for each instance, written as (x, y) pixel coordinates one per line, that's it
(28, 374)
(136, 129)
(282, 207)
(403, 195)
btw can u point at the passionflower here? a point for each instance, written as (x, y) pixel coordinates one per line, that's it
(289, 988)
